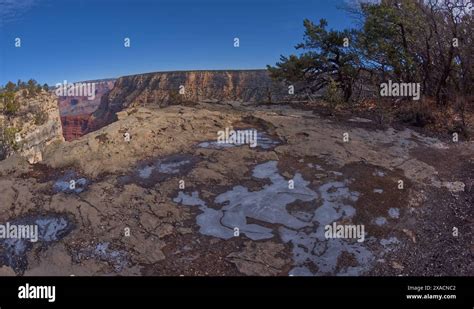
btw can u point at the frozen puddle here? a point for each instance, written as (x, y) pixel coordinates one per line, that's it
(70, 182)
(394, 213)
(311, 249)
(264, 141)
(267, 205)
(358, 119)
(313, 253)
(378, 173)
(149, 173)
(102, 251)
(380, 221)
(51, 228)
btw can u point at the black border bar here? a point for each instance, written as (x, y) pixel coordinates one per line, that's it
(379, 291)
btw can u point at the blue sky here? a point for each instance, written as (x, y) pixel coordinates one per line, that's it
(83, 39)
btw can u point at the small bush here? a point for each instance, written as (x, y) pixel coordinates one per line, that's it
(102, 138)
(333, 94)
(12, 107)
(175, 98)
(41, 117)
(416, 114)
(9, 141)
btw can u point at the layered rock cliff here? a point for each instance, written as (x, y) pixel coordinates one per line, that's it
(75, 126)
(167, 88)
(32, 127)
(83, 105)
(76, 110)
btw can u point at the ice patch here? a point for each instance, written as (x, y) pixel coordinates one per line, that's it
(378, 173)
(209, 220)
(380, 221)
(264, 141)
(147, 174)
(389, 244)
(102, 251)
(301, 228)
(172, 167)
(189, 200)
(267, 205)
(358, 119)
(51, 228)
(394, 213)
(70, 183)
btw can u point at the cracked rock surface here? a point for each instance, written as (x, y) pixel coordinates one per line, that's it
(164, 203)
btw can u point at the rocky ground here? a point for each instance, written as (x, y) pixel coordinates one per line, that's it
(154, 195)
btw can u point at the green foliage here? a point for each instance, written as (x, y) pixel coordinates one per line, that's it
(40, 118)
(399, 40)
(21, 84)
(9, 135)
(325, 59)
(413, 41)
(10, 87)
(8, 102)
(10, 105)
(388, 37)
(32, 87)
(333, 94)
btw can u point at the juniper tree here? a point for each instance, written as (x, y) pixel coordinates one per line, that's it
(328, 56)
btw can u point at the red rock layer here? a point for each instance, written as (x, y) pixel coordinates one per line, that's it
(74, 126)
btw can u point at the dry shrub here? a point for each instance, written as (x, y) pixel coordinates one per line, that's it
(428, 114)
(416, 113)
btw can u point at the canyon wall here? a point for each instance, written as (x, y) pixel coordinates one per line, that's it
(80, 116)
(167, 88)
(76, 110)
(35, 125)
(75, 126)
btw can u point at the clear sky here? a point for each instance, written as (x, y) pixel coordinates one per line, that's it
(83, 39)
